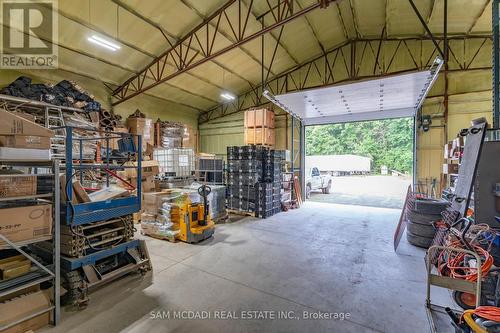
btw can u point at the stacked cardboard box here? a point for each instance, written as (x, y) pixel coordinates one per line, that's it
(259, 127)
(254, 180)
(24, 223)
(28, 302)
(17, 185)
(159, 213)
(149, 183)
(149, 170)
(144, 128)
(21, 138)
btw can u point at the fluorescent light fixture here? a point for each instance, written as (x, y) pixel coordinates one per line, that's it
(104, 43)
(227, 96)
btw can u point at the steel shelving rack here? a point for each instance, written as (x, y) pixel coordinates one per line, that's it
(45, 114)
(43, 272)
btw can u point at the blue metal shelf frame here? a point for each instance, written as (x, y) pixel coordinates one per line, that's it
(89, 212)
(71, 264)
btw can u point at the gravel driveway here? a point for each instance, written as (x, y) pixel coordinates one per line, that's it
(374, 191)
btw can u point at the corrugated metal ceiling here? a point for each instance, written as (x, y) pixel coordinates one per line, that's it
(137, 25)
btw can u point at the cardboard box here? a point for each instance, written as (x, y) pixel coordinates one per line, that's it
(17, 185)
(259, 118)
(259, 136)
(20, 292)
(447, 151)
(148, 169)
(148, 184)
(146, 217)
(63, 184)
(14, 266)
(143, 127)
(108, 193)
(153, 201)
(25, 223)
(80, 193)
(15, 125)
(25, 154)
(22, 306)
(450, 168)
(25, 141)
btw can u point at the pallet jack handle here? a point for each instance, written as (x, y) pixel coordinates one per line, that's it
(204, 190)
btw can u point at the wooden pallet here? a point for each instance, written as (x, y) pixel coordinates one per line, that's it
(171, 239)
(298, 192)
(222, 219)
(240, 212)
(136, 217)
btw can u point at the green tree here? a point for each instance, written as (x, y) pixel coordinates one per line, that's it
(387, 142)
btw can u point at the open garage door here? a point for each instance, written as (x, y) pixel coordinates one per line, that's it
(388, 97)
(393, 96)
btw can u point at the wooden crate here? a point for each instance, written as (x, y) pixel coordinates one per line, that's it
(259, 118)
(260, 136)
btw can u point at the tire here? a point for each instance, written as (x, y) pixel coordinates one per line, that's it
(308, 191)
(420, 218)
(327, 189)
(73, 282)
(418, 241)
(421, 230)
(430, 206)
(465, 300)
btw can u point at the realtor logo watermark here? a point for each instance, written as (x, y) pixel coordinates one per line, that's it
(29, 34)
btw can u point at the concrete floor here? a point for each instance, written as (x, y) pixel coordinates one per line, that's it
(322, 257)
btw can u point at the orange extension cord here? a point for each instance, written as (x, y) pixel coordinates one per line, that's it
(488, 312)
(454, 266)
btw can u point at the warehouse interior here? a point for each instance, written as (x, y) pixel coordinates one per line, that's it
(169, 166)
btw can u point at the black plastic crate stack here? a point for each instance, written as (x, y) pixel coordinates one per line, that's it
(273, 164)
(254, 180)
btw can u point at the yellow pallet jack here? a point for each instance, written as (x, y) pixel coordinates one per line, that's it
(195, 223)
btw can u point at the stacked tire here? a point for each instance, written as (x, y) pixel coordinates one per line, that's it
(420, 217)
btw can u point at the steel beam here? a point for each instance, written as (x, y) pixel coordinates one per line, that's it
(334, 67)
(277, 10)
(302, 170)
(316, 38)
(424, 24)
(486, 4)
(341, 18)
(186, 59)
(167, 35)
(354, 19)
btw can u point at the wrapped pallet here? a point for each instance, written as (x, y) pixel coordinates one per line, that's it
(160, 217)
(168, 134)
(216, 199)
